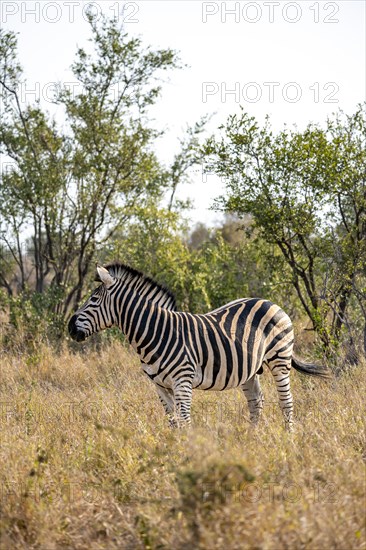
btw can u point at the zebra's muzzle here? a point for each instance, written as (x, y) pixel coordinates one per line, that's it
(74, 331)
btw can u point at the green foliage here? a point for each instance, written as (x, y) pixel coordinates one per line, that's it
(32, 319)
(305, 192)
(154, 244)
(224, 264)
(74, 186)
(95, 189)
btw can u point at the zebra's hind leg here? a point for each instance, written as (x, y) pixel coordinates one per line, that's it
(280, 370)
(166, 397)
(253, 393)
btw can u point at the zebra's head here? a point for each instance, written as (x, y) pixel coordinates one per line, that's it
(97, 312)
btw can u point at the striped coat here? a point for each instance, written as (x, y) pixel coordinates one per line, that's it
(180, 351)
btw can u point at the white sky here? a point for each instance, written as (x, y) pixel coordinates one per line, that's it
(312, 52)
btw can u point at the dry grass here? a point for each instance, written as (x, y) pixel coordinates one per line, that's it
(88, 461)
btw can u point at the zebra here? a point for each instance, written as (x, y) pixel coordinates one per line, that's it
(180, 351)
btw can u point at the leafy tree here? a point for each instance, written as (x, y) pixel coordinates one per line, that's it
(346, 189)
(306, 194)
(155, 243)
(73, 187)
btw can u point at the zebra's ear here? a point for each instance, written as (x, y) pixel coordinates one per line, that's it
(105, 276)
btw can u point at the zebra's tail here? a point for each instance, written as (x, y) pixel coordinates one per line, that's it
(310, 369)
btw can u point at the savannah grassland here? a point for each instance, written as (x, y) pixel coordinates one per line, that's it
(88, 461)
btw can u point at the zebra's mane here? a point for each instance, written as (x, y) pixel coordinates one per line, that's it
(141, 282)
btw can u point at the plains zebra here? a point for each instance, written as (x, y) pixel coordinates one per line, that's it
(180, 351)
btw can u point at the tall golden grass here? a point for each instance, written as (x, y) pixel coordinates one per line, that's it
(88, 461)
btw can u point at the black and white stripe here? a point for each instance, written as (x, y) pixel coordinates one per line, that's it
(180, 351)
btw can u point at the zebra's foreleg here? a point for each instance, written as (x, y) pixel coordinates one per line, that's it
(253, 393)
(183, 399)
(281, 374)
(166, 397)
